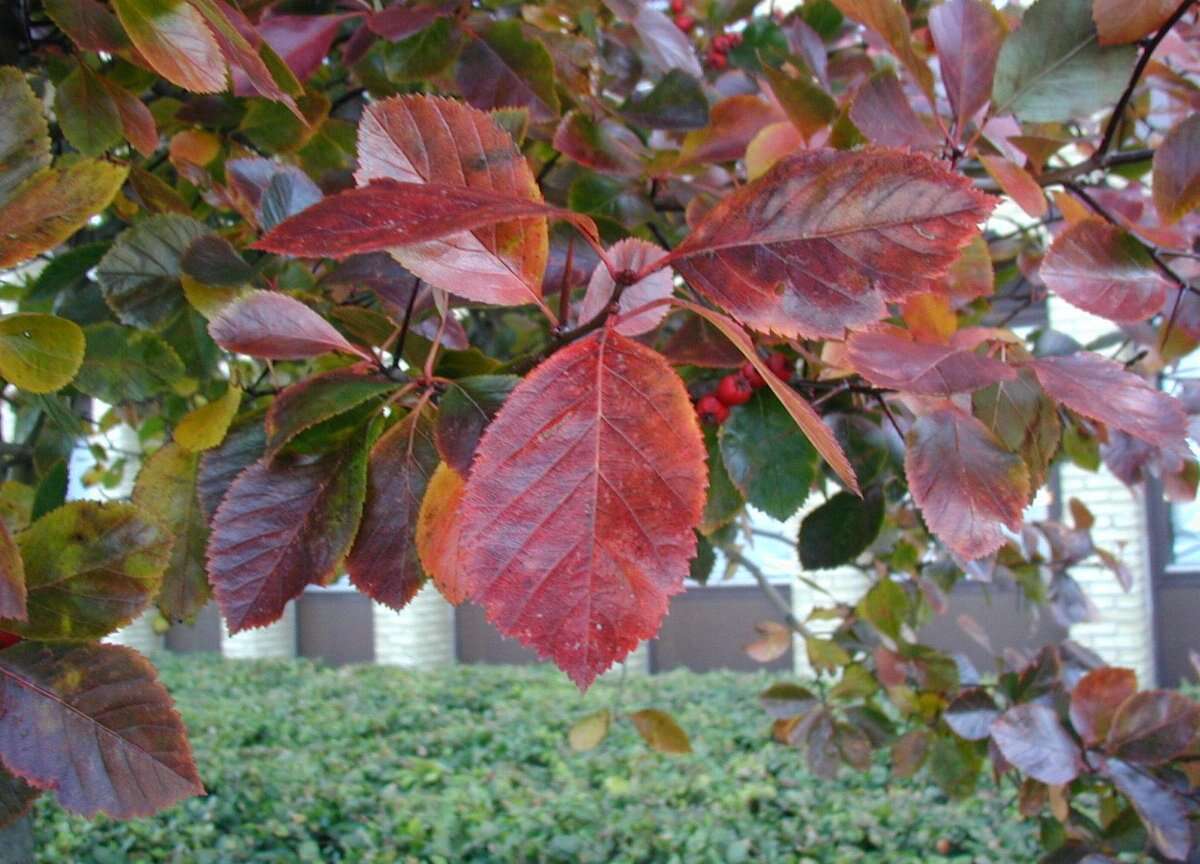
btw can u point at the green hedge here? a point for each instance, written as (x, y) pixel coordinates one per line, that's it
(373, 764)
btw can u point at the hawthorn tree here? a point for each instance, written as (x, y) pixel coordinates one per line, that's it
(532, 300)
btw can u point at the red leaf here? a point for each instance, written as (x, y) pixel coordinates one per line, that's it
(235, 34)
(971, 714)
(280, 527)
(1177, 171)
(888, 359)
(823, 239)
(732, 125)
(387, 213)
(1096, 698)
(633, 255)
(1128, 403)
(1163, 811)
(1032, 739)
(424, 139)
(277, 327)
(1018, 184)
(93, 724)
(1120, 22)
(883, 113)
(137, 123)
(399, 21)
(968, 35)
(889, 19)
(966, 483)
(90, 26)
(578, 520)
(301, 41)
(1105, 271)
(809, 421)
(1153, 727)
(384, 563)
(603, 145)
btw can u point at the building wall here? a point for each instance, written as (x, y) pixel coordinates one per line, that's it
(276, 640)
(420, 635)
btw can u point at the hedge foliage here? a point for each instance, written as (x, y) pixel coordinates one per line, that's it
(372, 764)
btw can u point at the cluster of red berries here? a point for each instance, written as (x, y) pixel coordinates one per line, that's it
(683, 20)
(718, 53)
(736, 389)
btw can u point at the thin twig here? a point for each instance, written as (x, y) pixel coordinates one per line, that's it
(402, 335)
(773, 595)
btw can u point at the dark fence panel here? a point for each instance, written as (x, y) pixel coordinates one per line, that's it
(203, 634)
(708, 628)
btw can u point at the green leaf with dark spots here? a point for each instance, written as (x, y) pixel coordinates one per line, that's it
(768, 458)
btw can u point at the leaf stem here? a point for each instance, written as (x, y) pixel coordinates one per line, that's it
(402, 335)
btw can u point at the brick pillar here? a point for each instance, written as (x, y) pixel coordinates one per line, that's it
(421, 635)
(276, 640)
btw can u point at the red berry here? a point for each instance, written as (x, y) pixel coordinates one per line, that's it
(780, 365)
(8, 639)
(722, 43)
(735, 39)
(717, 61)
(685, 22)
(712, 410)
(751, 375)
(676, 6)
(734, 390)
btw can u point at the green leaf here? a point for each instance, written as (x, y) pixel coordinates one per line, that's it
(86, 112)
(660, 731)
(422, 55)
(321, 398)
(608, 198)
(90, 568)
(39, 353)
(166, 487)
(24, 136)
(1053, 69)
(1024, 418)
(840, 530)
(139, 276)
(825, 655)
(724, 500)
(588, 732)
(51, 491)
(700, 570)
(677, 102)
(783, 700)
(768, 458)
(465, 411)
(886, 606)
(127, 365)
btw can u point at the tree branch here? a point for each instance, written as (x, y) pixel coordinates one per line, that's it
(777, 599)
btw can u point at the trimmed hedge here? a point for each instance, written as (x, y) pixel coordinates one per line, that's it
(470, 764)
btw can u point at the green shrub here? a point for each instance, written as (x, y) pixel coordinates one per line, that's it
(470, 764)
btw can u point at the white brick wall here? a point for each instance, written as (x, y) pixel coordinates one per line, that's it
(276, 640)
(420, 635)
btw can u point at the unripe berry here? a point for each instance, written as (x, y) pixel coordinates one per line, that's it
(781, 365)
(685, 23)
(734, 390)
(752, 376)
(712, 410)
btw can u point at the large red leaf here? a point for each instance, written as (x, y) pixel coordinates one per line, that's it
(890, 359)
(424, 139)
(277, 327)
(1105, 271)
(1096, 699)
(92, 724)
(818, 243)
(889, 19)
(578, 520)
(819, 435)
(1031, 738)
(1101, 389)
(966, 483)
(387, 213)
(968, 35)
(282, 526)
(384, 563)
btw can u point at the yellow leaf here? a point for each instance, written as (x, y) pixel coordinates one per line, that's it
(40, 353)
(205, 427)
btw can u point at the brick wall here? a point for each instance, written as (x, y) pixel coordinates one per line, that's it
(419, 635)
(276, 640)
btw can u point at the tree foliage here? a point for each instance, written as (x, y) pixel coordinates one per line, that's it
(428, 290)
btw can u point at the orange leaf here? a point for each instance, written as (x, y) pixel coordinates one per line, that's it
(439, 527)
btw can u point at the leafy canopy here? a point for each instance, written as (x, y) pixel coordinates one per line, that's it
(426, 293)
